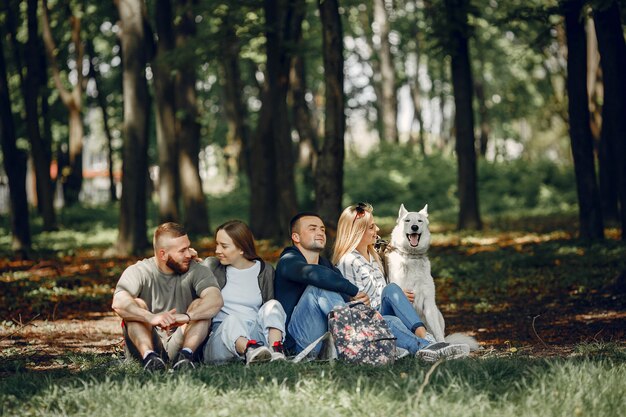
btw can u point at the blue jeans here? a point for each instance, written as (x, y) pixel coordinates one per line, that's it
(401, 318)
(221, 344)
(309, 319)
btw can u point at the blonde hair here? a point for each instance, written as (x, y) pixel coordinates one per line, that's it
(351, 227)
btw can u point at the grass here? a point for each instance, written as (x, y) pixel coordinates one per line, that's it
(590, 383)
(516, 266)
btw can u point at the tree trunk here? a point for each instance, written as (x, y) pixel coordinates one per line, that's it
(329, 175)
(308, 145)
(132, 224)
(15, 167)
(238, 136)
(469, 216)
(274, 202)
(188, 131)
(590, 215)
(72, 100)
(94, 74)
(164, 87)
(388, 101)
(40, 148)
(612, 141)
(483, 140)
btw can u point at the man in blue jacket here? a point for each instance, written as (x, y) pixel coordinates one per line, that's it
(307, 285)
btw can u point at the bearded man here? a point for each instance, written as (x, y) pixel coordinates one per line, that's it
(166, 303)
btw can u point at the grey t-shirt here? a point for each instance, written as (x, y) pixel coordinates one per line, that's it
(163, 292)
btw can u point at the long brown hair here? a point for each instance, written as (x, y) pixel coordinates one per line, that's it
(242, 237)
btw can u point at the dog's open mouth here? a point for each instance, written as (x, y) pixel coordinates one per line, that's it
(414, 239)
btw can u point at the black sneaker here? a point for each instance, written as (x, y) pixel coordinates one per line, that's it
(183, 361)
(153, 363)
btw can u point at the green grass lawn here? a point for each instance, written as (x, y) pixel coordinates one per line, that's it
(590, 382)
(548, 308)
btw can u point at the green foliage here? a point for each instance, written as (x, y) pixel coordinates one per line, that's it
(391, 175)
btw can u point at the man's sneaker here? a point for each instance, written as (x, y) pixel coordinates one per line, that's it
(278, 352)
(256, 352)
(153, 363)
(436, 351)
(184, 361)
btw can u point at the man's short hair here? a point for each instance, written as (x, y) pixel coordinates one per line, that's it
(169, 230)
(296, 219)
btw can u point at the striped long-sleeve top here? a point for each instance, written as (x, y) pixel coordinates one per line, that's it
(366, 275)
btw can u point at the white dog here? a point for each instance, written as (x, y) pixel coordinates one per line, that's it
(409, 267)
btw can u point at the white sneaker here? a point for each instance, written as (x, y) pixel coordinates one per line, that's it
(436, 351)
(278, 352)
(430, 338)
(255, 353)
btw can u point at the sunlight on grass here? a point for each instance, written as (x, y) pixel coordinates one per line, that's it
(503, 387)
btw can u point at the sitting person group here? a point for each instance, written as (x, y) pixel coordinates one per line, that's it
(179, 309)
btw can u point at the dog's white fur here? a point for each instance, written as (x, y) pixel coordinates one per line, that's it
(409, 267)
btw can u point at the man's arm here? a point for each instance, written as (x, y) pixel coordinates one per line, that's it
(125, 305)
(205, 307)
(295, 268)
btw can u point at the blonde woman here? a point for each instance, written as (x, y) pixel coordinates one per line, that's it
(355, 257)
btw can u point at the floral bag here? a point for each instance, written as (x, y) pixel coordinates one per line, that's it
(361, 335)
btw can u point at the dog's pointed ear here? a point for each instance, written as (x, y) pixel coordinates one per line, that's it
(424, 211)
(402, 212)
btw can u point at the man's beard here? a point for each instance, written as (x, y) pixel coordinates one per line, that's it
(315, 246)
(177, 267)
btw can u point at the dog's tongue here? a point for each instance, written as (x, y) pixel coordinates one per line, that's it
(414, 239)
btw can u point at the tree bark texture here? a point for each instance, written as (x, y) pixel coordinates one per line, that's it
(388, 100)
(15, 166)
(238, 136)
(72, 101)
(164, 96)
(303, 120)
(329, 174)
(613, 136)
(469, 216)
(132, 224)
(590, 214)
(94, 74)
(196, 218)
(274, 202)
(31, 83)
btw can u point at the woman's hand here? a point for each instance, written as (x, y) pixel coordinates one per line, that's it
(410, 295)
(362, 297)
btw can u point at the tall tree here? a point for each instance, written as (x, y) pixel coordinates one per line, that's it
(94, 74)
(188, 129)
(388, 100)
(238, 135)
(329, 175)
(30, 86)
(456, 13)
(273, 200)
(165, 105)
(72, 99)
(612, 141)
(303, 120)
(590, 212)
(132, 225)
(15, 167)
